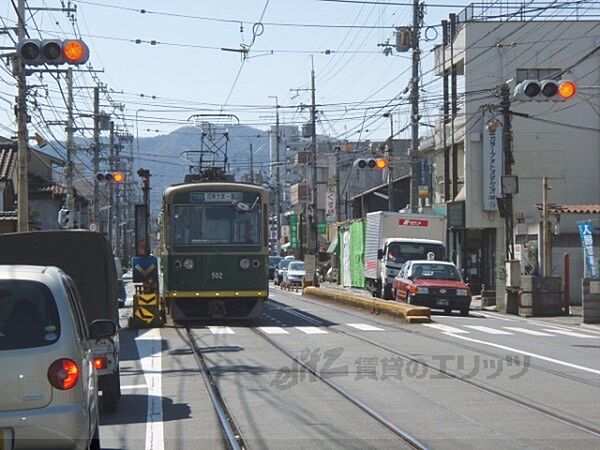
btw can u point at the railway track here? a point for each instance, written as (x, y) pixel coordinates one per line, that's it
(233, 435)
(449, 373)
(230, 429)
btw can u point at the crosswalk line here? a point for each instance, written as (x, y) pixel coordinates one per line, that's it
(446, 328)
(364, 327)
(487, 329)
(221, 330)
(569, 333)
(273, 330)
(311, 330)
(527, 331)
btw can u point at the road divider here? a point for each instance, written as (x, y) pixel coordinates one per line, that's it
(408, 313)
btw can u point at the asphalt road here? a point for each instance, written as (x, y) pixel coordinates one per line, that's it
(483, 381)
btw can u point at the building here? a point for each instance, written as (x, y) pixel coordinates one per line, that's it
(482, 50)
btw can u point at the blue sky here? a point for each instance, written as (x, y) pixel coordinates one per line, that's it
(188, 80)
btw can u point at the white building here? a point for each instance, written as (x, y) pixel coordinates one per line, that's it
(559, 140)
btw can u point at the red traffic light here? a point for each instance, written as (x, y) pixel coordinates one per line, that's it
(114, 177)
(35, 52)
(75, 51)
(566, 89)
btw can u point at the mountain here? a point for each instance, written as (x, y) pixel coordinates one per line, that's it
(164, 155)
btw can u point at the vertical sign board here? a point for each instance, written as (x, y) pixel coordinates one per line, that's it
(423, 179)
(142, 246)
(587, 242)
(293, 231)
(492, 159)
(330, 206)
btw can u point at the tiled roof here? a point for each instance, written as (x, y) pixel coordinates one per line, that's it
(8, 215)
(571, 209)
(8, 162)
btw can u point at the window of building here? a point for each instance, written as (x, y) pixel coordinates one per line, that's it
(538, 74)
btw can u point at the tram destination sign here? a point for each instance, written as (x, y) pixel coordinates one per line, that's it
(215, 197)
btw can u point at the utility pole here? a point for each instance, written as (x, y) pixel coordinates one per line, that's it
(508, 163)
(414, 95)
(338, 213)
(251, 165)
(277, 180)
(314, 219)
(22, 137)
(111, 165)
(70, 200)
(96, 153)
(388, 157)
(546, 252)
(117, 202)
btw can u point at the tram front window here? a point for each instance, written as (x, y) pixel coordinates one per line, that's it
(216, 225)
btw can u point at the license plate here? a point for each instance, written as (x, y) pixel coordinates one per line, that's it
(442, 302)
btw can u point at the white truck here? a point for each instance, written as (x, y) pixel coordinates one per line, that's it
(393, 238)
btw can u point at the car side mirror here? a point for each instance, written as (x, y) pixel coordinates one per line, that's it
(379, 254)
(102, 328)
(410, 277)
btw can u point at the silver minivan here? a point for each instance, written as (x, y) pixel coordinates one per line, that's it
(48, 396)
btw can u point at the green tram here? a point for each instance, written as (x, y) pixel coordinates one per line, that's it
(214, 250)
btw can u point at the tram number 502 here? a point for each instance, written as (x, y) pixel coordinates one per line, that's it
(216, 275)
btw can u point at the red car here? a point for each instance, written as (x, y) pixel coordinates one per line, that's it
(436, 284)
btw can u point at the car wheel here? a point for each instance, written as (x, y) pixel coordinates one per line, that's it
(385, 292)
(110, 398)
(464, 312)
(448, 310)
(95, 442)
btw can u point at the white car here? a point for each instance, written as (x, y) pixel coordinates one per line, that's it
(48, 393)
(294, 273)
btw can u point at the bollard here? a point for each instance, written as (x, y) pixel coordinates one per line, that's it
(566, 285)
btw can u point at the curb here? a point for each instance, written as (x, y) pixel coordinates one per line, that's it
(409, 313)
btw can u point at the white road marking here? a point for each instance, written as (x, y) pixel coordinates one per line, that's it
(221, 330)
(533, 355)
(569, 333)
(494, 316)
(527, 331)
(134, 386)
(311, 330)
(149, 348)
(364, 327)
(487, 329)
(446, 328)
(273, 330)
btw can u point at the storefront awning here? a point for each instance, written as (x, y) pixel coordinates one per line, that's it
(333, 246)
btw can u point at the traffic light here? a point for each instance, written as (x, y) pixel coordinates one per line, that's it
(545, 90)
(64, 218)
(113, 177)
(371, 163)
(35, 52)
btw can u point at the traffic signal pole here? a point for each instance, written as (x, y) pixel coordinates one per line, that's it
(111, 165)
(70, 199)
(96, 153)
(414, 96)
(22, 138)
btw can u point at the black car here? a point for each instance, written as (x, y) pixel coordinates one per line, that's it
(273, 261)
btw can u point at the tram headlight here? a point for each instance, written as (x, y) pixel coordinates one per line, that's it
(245, 263)
(177, 264)
(188, 264)
(256, 263)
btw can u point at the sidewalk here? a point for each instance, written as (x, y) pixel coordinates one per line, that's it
(573, 320)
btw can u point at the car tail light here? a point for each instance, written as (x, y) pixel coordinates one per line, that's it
(100, 363)
(63, 374)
